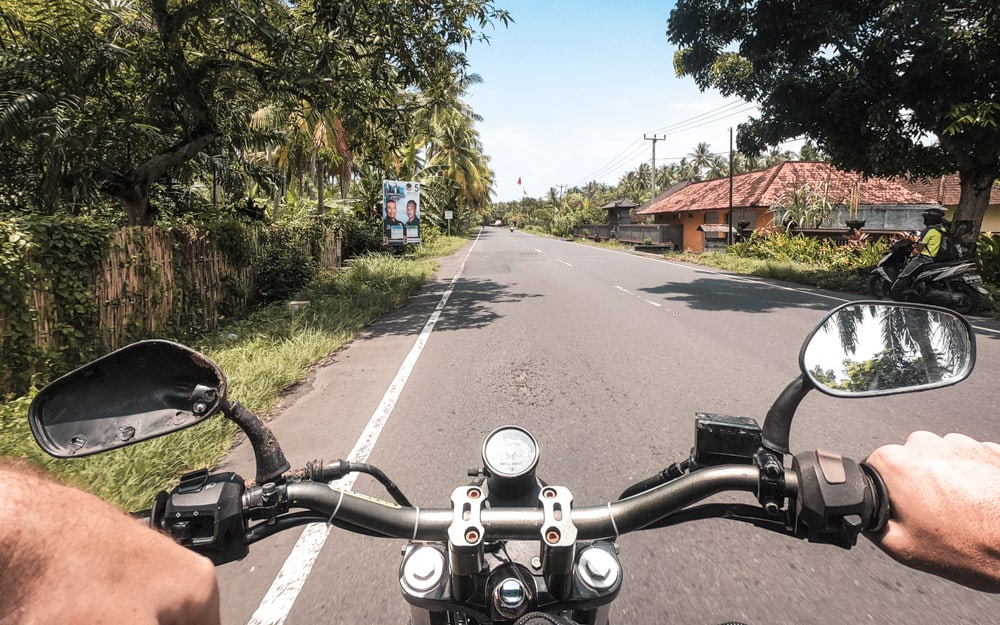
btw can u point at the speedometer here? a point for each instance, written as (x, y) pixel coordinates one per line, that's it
(510, 451)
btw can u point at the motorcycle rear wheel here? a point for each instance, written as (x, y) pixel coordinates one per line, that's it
(878, 286)
(969, 301)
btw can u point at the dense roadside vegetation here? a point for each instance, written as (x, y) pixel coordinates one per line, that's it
(261, 355)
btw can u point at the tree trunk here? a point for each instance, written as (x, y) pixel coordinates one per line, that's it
(976, 185)
(134, 199)
(320, 187)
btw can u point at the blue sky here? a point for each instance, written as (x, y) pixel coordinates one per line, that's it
(570, 89)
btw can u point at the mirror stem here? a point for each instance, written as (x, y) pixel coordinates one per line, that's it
(270, 459)
(778, 422)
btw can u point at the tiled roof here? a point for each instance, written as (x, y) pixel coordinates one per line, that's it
(620, 203)
(766, 187)
(942, 190)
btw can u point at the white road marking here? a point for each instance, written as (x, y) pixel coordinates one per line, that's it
(277, 603)
(657, 304)
(564, 262)
(538, 251)
(623, 290)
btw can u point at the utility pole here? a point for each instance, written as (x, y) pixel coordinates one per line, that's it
(654, 139)
(729, 218)
(561, 187)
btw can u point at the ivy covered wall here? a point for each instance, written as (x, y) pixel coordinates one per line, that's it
(73, 288)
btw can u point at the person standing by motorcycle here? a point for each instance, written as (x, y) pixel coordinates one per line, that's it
(927, 249)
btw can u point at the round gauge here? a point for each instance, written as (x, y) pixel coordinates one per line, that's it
(510, 451)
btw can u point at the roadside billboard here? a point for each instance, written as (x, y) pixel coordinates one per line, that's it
(401, 212)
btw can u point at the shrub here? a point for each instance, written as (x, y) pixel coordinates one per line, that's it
(988, 257)
(781, 246)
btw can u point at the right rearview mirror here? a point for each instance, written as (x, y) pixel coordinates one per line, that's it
(877, 348)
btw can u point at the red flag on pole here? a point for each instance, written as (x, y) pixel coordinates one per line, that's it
(518, 180)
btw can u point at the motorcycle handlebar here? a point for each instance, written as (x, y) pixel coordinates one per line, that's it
(591, 522)
(829, 499)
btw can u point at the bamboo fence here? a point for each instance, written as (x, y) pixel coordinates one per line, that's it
(140, 292)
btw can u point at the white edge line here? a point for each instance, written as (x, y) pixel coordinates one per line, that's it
(982, 329)
(278, 601)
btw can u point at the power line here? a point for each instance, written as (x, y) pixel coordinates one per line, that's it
(669, 128)
(629, 154)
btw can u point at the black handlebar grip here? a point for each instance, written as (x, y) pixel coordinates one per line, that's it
(880, 495)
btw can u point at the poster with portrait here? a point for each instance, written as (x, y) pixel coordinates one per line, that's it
(401, 212)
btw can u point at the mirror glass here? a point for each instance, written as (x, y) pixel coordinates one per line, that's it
(142, 391)
(876, 348)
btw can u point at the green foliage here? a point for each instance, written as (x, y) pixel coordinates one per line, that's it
(49, 267)
(988, 257)
(868, 81)
(885, 370)
(62, 255)
(362, 236)
(17, 338)
(147, 103)
(803, 208)
(784, 246)
(261, 355)
(290, 261)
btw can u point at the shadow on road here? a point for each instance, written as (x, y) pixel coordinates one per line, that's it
(718, 294)
(471, 305)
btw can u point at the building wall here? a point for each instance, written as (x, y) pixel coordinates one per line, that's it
(694, 239)
(991, 221)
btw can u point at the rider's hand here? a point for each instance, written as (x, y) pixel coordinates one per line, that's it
(68, 557)
(945, 495)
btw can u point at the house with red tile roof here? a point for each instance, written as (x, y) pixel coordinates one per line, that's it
(697, 212)
(946, 190)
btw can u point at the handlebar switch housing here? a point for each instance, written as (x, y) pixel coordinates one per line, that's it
(835, 500)
(205, 514)
(724, 439)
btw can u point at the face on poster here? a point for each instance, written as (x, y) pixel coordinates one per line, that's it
(401, 211)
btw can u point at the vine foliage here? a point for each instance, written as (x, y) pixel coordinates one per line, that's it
(72, 288)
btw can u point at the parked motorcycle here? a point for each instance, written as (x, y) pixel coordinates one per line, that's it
(954, 284)
(458, 565)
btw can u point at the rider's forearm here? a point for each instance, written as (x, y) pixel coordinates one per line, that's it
(22, 554)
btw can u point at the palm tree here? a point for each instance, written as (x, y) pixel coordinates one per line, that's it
(718, 167)
(701, 158)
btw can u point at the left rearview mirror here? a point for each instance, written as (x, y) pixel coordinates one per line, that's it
(141, 391)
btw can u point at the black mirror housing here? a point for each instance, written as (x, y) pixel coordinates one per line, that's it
(136, 393)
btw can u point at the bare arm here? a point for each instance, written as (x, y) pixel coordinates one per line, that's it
(945, 494)
(67, 556)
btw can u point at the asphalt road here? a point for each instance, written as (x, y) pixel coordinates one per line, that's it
(605, 357)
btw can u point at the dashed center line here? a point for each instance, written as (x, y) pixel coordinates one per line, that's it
(639, 297)
(564, 262)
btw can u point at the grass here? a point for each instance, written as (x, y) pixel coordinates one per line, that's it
(262, 356)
